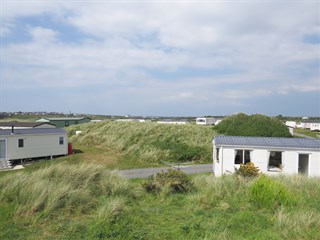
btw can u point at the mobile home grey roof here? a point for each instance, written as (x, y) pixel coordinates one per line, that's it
(270, 142)
(32, 131)
(22, 124)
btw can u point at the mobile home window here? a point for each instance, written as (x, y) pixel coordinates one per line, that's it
(239, 157)
(217, 154)
(20, 143)
(242, 156)
(66, 123)
(2, 148)
(275, 161)
(61, 140)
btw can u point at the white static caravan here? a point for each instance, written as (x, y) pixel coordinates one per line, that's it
(273, 156)
(32, 143)
(205, 121)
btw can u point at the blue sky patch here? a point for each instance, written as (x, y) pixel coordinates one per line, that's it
(312, 39)
(66, 33)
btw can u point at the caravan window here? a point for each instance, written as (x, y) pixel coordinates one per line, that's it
(239, 157)
(217, 154)
(242, 156)
(275, 161)
(61, 140)
(2, 149)
(20, 143)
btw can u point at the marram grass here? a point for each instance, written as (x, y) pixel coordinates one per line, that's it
(148, 142)
(61, 186)
(84, 201)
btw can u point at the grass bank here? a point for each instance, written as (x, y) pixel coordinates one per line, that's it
(146, 144)
(85, 201)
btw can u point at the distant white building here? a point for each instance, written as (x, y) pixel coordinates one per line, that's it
(309, 124)
(305, 124)
(292, 124)
(207, 121)
(315, 126)
(273, 156)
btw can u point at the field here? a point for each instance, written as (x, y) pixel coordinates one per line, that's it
(81, 197)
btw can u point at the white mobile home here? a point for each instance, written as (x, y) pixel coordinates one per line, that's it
(31, 143)
(273, 156)
(205, 121)
(208, 121)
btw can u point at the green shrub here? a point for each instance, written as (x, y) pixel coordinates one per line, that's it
(180, 151)
(247, 170)
(268, 193)
(254, 125)
(173, 181)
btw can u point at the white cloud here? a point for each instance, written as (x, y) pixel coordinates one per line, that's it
(43, 35)
(252, 49)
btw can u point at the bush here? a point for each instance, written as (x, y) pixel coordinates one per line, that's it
(268, 193)
(179, 151)
(254, 125)
(174, 181)
(247, 170)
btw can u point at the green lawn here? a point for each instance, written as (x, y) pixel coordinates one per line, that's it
(307, 132)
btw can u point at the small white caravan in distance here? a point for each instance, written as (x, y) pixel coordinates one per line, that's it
(205, 121)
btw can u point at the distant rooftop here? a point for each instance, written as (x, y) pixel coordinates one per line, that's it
(21, 124)
(32, 131)
(270, 142)
(61, 119)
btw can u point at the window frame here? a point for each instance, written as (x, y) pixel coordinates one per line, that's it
(61, 140)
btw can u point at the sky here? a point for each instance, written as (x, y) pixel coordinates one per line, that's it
(161, 58)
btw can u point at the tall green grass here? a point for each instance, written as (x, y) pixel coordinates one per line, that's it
(72, 188)
(149, 143)
(84, 201)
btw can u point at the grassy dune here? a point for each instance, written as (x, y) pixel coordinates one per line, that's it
(147, 144)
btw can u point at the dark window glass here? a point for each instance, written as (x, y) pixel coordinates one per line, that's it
(20, 143)
(239, 157)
